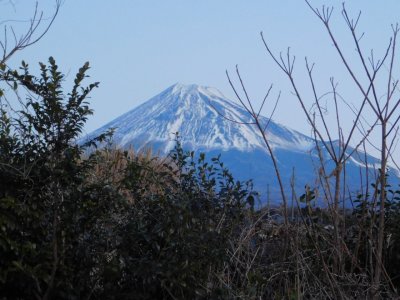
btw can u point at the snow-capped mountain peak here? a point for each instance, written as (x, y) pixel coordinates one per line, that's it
(182, 89)
(196, 113)
(203, 117)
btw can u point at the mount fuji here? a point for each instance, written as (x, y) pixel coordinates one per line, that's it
(195, 112)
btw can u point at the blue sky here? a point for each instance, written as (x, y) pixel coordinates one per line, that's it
(137, 48)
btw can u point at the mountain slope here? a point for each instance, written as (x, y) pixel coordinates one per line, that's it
(195, 112)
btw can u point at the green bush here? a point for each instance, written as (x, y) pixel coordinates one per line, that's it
(41, 183)
(69, 229)
(176, 240)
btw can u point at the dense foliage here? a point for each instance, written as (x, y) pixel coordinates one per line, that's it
(70, 229)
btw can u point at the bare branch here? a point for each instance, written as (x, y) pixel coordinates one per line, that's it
(344, 60)
(389, 149)
(393, 126)
(28, 38)
(330, 150)
(265, 98)
(376, 67)
(237, 94)
(389, 92)
(245, 91)
(272, 113)
(229, 119)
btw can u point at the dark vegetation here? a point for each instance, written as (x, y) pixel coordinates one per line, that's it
(112, 225)
(116, 224)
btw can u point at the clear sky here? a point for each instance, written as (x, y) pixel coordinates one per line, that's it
(137, 48)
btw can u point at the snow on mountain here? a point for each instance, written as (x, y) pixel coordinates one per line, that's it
(195, 112)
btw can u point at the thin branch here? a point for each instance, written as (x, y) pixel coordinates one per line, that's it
(28, 38)
(393, 126)
(245, 91)
(339, 128)
(228, 119)
(265, 98)
(389, 149)
(389, 93)
(237, 94)
(331, 151)
(273, 112)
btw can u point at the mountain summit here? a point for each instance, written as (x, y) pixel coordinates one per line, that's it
(196, 113)
(200, 115)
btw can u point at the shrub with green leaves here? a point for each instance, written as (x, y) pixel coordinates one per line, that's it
(176, 238)
(41, 178)
(69, 230)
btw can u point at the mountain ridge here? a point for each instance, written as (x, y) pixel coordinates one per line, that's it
(195, 112)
